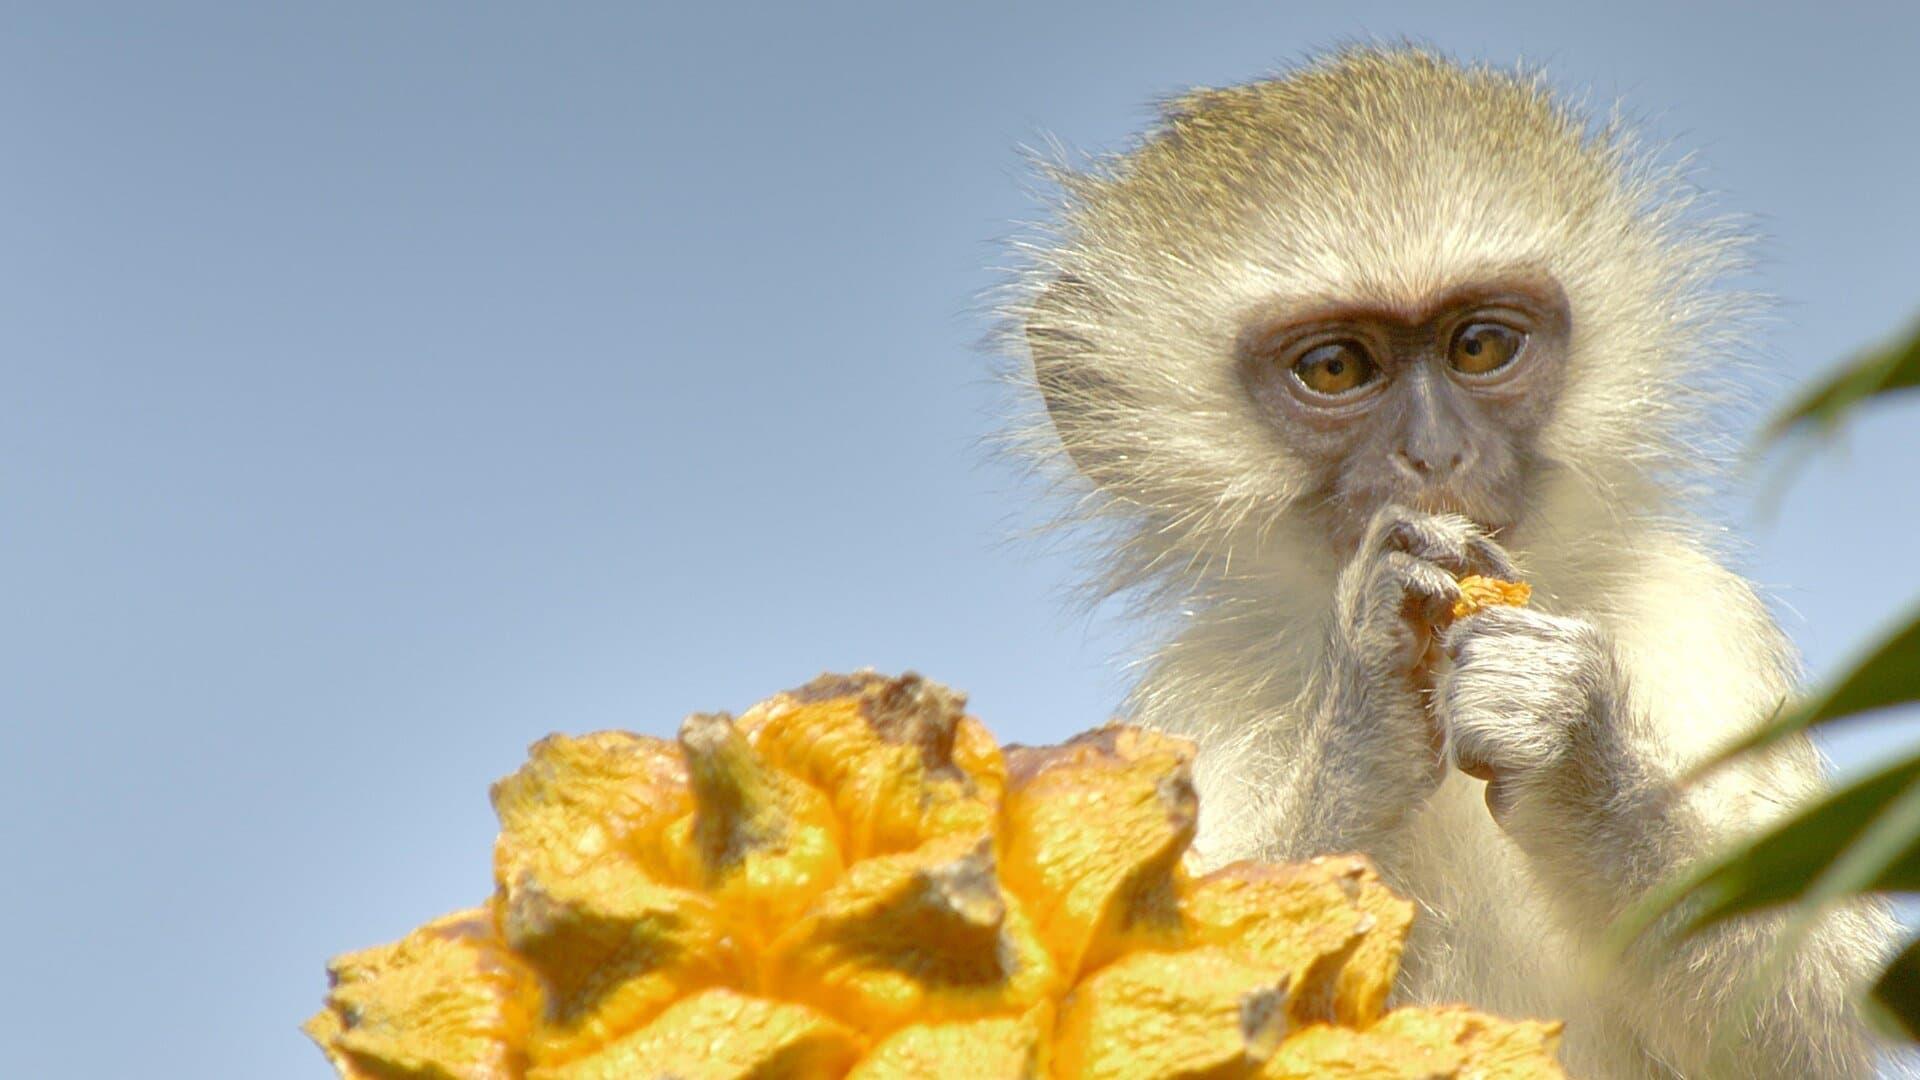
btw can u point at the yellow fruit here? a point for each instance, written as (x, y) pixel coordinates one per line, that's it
(449, 999)
(853, 880)
(1478, 592)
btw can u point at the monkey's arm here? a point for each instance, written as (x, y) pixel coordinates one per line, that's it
(1580, 760)
(1366, 751)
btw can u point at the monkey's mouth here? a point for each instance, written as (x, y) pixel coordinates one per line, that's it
(1352, 511)
(1451, 502)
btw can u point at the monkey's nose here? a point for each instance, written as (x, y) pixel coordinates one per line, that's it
(1428, 465)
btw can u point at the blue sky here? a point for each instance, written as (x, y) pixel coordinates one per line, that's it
(390, 385)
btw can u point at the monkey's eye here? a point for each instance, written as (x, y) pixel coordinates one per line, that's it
(1338, 367)
(1482, 347)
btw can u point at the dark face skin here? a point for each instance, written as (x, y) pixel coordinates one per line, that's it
(1436, 405)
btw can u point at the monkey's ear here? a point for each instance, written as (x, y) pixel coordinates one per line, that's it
(1066, 370)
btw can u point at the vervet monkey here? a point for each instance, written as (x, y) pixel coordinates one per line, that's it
(1322, 344)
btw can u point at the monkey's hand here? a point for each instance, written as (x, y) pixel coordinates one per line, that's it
(1538, 706)
(1534, 705)
(1378, 749)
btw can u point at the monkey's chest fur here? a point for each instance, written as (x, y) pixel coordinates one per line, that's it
(1484, 933)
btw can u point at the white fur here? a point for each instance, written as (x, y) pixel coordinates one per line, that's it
(1389, 174)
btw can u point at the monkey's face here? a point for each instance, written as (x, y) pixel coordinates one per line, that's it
(1436, 404)
(1383, 278)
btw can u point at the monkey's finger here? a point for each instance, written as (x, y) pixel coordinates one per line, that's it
(1385, 530)
(1499, 793)
(1467, 547)
(1468, 636)
(1435, 539)
(1500, 797)
(1471, 755)
(1419, 587)
(1479, 770)
(1489, 559)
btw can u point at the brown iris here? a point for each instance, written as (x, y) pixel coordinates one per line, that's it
(1338, 367)
(1483, 347)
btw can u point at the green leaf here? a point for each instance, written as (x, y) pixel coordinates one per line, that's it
(1782, 864)
(1897, 991)
(1888, 675)
(1879, 371)
(1809, 855)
